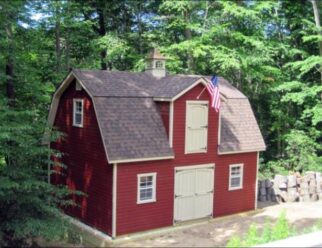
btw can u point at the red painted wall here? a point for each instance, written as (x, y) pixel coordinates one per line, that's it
(133, 217)
(85, 157)
(164, 111)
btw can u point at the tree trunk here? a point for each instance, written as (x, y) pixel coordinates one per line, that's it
(102, 33)
(67, 38)
(188, 36)
(10, 68)
(316, 12)
(57, 39)
(206, 15)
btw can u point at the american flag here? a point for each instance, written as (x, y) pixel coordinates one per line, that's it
(213, 89)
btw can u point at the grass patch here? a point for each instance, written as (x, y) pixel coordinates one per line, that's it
(280, 230)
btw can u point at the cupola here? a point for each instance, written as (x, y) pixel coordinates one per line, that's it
(155, 64)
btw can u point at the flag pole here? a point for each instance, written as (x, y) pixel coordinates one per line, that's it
(201, 92)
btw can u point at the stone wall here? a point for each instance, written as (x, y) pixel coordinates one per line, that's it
(291, 188)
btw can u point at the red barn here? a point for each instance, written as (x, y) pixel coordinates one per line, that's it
(149, 151)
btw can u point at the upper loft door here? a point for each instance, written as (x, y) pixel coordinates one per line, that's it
(196, 127)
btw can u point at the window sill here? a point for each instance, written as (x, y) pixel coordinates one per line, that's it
(235, 188)
(77, 125)
(195, 152)
(146, 201)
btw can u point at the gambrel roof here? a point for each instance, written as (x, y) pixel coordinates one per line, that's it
(131, 126)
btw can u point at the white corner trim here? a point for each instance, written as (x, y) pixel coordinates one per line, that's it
(141, 159)
(219, 127)
(154, 187)
(230, 188)
(256, 182)
(114, 201)
(171, 116)
(236, 152)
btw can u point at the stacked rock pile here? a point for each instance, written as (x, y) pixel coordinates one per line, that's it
(291, 188)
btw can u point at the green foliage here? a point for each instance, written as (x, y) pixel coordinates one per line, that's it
(29, 204)
(234, 242)
(280, 230)
(267, 49)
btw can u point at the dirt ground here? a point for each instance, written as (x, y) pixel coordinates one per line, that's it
(217, 232)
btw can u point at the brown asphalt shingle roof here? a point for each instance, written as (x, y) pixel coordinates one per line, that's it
(239, 129)
(132, 127)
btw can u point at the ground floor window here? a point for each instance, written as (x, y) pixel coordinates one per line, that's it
(236, 176)
(146, 188)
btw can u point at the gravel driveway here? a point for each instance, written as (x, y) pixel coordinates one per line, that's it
(217, 232)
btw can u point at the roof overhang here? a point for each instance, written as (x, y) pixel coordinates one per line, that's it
(201, 80)
(237, 152)
(60, 90)
(140, 159)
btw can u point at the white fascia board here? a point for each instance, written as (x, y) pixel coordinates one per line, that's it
(236, 152)
(141, 159)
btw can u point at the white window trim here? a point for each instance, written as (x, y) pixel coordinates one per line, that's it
(186, 128)
(154, 187)
(74, 112)
(241, 176)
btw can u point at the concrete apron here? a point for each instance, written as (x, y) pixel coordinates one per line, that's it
(93, 237)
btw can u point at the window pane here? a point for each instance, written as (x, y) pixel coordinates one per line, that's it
(78, 118)
(235, 182)
(235, 171)
(146, 194)
(79, 106)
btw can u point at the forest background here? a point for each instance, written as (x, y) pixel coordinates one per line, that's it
(270, 50)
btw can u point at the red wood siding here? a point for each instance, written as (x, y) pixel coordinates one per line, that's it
(85, 157)
(164, 110)
(133, 217)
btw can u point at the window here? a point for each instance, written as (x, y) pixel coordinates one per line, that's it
(158, 64)
(78, 113)
(236, 176)
(196, 126)
(146, 188)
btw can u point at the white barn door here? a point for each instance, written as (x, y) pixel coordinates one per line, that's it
(194, 189)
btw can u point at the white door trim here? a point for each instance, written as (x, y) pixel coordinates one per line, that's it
(192, 167)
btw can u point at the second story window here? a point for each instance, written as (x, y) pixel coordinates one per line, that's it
(78, 110)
